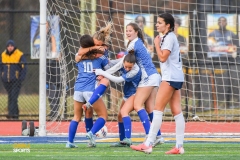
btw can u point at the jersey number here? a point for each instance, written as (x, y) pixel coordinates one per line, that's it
(88, 66)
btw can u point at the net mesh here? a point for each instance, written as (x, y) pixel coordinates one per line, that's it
(208, 36)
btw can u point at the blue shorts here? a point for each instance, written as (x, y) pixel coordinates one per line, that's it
(176, 85)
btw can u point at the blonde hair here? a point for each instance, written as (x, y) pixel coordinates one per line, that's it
(104, 33)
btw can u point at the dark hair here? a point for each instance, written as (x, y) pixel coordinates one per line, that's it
(85, 42)
(130, 57)
(168, 19)
(144, 20)
(178, 20)
(140, 32)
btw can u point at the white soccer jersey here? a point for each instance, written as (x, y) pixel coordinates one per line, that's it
(172, 69)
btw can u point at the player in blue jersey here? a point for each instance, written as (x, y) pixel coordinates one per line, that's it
(150, 78)
(100, 39)
(131, 76)
(83, 90)
(169, 55)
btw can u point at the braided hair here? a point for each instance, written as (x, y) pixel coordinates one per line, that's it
(85, 42)
(140, 34)
(168, 19)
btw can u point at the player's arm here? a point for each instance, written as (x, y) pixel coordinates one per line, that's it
(116, 67)
(109, 76)
(113, 62)
(163, 53)
(83, 51)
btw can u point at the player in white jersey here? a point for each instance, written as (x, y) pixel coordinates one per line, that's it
(169, 55)
(83, 90)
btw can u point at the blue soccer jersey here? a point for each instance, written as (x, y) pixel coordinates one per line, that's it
(86, 78)
(106, 53)
(144, 59)
(131, 80)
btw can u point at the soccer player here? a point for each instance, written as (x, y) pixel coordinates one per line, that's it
(83, 90)
(131, 75)
(100, 39)
(169, 55)
(150, 78)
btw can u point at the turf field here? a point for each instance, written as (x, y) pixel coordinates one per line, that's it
(193, 150)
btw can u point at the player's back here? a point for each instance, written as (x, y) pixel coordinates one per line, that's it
(86, 78)
(144, 59)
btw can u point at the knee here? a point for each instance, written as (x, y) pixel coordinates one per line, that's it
(89, 113)
(137, 108)
(119, 117)
(103, 115)
(137, 105)
(124, 113)
(76, 118)
(149, 110)
(176, 112)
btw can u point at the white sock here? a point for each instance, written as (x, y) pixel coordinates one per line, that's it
(155, 126)
(180, 128)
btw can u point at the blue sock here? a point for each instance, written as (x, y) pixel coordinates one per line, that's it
(151, 118)
(72, 130)
(97, 93)
(88, 124)
(121, 131)
(144, 119)
(127, 126)
(100, 122)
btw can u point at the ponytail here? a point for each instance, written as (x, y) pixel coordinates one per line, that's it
(168, 19)
(104, 33)
(165, 36)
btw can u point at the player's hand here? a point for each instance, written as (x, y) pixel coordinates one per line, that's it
(101, 48)
(157, 41)
(100, 78)
(98, 71)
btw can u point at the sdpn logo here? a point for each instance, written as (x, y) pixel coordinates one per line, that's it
(21, 147)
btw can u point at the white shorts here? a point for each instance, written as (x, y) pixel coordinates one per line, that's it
(82, 96)
(152, 80)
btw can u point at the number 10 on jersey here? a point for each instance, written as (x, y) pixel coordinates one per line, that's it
(88, 66)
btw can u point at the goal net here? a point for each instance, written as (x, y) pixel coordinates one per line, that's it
(208, 36)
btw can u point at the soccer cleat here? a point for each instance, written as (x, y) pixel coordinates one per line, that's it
(175, 150)
(91, 145)
(159, 140)
(71, 145)
(126, 141)
(91, 138)
(118, 144)
(143, 148)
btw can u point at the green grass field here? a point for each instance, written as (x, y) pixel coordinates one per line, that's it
(215, 151)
